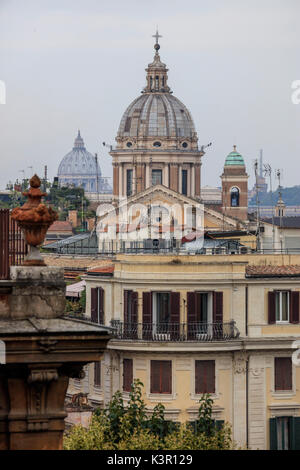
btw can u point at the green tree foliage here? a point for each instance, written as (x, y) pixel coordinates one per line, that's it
(120, 427)
(65, 198)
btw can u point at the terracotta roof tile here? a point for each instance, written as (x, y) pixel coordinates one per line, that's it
(60, 225)
(273, 271)
(102, 270)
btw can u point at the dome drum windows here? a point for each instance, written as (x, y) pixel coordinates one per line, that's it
(235, 197)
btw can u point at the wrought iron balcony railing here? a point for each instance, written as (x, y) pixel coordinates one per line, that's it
(175, 331)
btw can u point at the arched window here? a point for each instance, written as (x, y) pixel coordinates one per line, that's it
(157, 82)
(151, 80)
(235, 197)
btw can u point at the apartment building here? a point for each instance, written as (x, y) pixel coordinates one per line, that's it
(188, 325)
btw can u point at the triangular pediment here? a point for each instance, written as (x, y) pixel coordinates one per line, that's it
(161, 195)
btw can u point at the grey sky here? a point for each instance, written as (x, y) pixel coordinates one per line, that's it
(71, 64)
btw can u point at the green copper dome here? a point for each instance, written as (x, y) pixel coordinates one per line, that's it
(234, 158)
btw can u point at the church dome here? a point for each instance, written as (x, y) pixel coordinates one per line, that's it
(156, 113)
(80, 168)
(78, 162)
(234, 158)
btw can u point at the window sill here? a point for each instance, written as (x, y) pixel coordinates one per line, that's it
(282, 394)
(197, 396)
(161, 397)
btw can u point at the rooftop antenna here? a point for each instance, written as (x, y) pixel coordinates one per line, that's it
(268, 172)
(279, 176)
(257, 205)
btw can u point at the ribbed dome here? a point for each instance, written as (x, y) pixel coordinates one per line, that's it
(157, 114)
(234, 158)
(78, 162)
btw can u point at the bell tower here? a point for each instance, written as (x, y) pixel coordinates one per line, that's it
(235, 186)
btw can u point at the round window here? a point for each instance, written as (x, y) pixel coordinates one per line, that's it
(156, 144)
(129, 144)
(184, 145)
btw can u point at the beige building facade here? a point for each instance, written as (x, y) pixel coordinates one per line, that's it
(219, 324)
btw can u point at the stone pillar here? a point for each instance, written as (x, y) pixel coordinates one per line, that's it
(147, 176)
(43, 350)
(120, 180)
(192, 180)
(166, 175)
(239, 398)
(257, 403)
(174, 177)
(115, 179)
(180, 179)
(197, 180)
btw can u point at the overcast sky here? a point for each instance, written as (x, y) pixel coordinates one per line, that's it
(77, 64)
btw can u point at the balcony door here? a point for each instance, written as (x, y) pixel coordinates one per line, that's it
(204, 315)
(161, 315)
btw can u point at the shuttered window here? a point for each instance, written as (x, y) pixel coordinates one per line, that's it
(97, 374)
(283, 306)
(204, 377)
(285, 433)
(283, 373)
(127, 374)
(161, 377)
(97, 305)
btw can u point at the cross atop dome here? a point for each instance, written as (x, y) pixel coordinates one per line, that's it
(156, 36)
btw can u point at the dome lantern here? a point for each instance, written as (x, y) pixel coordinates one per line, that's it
(157, 73)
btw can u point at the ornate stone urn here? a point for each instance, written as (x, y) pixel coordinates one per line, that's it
(41, 347)
(34, 218)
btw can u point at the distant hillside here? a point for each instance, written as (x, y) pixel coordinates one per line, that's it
(291, 197)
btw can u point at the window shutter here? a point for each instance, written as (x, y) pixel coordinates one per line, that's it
(161, 377)
(97, 374)
(294, 314)
(204, 377)
(155, 377)
(191, 315)
(134, 308)
(127, 374)
(147, 315)
(175, 315)
(283, 373)
(271, 308)
(295, 433)
(218, 307)
(126, 306)
(94, 304)
(273, 434)
(166, 371)
(101, 306)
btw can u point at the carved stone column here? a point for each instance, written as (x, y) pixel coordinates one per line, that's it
(239, 397)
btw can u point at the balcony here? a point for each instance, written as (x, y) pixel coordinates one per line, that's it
(164, 332)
